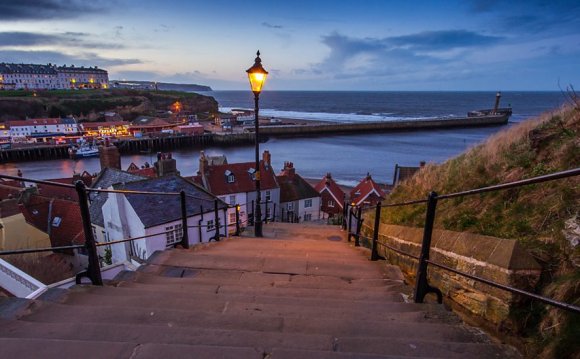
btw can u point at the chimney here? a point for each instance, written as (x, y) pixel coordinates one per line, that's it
(422, 164)
(109, 156)
(267, 158)
(166, 166)
(328, 178)
(368, 177)
(203, 163)
(289, 169)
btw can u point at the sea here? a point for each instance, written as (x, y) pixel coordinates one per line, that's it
(347, 157)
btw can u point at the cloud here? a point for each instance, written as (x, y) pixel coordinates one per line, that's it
(81, 59)
(271, 26)
(443, 40)
(17, 10)
(68, 39)
(162, 28)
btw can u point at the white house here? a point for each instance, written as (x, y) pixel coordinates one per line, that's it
(43, 127)
(299, 201)
(49, 77)
(235, 184)
(157, 218)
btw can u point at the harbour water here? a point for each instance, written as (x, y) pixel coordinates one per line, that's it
(347, 157)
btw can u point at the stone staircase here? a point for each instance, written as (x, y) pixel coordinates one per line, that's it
(302, 292)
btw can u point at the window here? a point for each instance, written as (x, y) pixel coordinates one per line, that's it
(290, 206)
(210, 225)
(56, 221)
(173, 235)
(230, 176)
(232, 200)
(307, 203)
(331, 203)
(268, 196)
(307, 217)
(233, 217)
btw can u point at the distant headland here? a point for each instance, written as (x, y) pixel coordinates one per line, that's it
(163, 86)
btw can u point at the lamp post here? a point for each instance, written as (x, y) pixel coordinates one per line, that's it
(257, 76)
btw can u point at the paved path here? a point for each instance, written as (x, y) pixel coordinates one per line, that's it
(300, 293)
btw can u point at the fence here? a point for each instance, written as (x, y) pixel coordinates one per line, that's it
(93, 270)
(422, 286)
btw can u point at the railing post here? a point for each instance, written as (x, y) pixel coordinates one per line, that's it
(185, 237)
(274, 210)
(349, 224)
(253, 214)
(237, 220)
(93, 271)
(344, 213)
(422, 286)
(374, 250)
(217, 220)
(266, 214)
(359, 222)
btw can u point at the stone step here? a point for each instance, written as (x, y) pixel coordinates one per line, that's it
(138, 333)
(57, 313)
(277, 345)
(57, 349)
(384, 294)
(244, 305)
(173, 275)
(152, 291)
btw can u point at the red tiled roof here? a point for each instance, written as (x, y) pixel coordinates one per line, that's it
(328, 184)
(36, 121)
(9, 191)
(148, 172)
(66, 232)
(364, 189)
(292, 186)
(215, 177)
(70, 194)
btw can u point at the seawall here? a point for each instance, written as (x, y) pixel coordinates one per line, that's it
(381, 126)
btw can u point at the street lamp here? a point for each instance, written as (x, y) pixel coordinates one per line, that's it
(257, 76)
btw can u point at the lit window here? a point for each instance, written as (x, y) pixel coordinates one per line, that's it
(233, 217)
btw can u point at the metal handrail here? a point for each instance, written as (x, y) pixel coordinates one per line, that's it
(422, 287)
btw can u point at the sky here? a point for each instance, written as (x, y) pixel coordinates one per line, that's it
(371, 45)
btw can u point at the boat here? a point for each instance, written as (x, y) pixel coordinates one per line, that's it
(83, 150)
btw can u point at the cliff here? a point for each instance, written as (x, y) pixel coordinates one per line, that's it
(89, 103)
(542, 217)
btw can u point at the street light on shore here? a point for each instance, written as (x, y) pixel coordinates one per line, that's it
(257, 76)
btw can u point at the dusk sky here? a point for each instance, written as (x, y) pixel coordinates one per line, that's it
(306, 45)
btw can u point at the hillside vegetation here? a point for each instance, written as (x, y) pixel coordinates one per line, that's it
(17, 105)
(543, 217)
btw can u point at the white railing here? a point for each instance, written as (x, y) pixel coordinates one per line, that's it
(18, 282)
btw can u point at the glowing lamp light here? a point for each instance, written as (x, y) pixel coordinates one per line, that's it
(257, 75)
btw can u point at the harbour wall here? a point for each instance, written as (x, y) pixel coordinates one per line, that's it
(381, 126)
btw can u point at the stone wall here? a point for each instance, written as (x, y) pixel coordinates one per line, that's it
(501, 260)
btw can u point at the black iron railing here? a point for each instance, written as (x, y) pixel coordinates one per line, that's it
(93, 270)
(422, 286)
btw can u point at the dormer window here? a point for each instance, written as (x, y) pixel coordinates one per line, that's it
(56, 221)
(230, 176)
(252, 172)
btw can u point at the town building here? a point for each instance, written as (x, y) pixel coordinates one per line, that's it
(366, 193)
(157, 218)
(74, 77)
(299, 201)
(145, 125)
(235, 184)
(51, 77)
(42, 129)
(105, 129)
(332, 197)
(403, 172)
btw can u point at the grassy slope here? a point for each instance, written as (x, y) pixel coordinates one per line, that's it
(131, 103)
(535, 215)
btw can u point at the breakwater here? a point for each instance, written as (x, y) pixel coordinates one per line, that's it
(382, 126)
